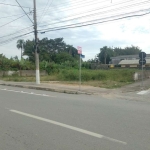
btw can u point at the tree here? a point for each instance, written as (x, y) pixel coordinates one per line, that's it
(105, 54)
(29, 50)
(20, 45)
(49, 49)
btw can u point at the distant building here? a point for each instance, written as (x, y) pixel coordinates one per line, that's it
(133, 63)
(116, 60)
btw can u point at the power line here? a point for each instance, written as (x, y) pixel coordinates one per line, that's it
(100, 8)
(13, 38)
(73, 3)
(77, 26)
(24, 12)
(78, 4)
(75, 6)
(83, 6)
(13, 5)
(91, 15)
(12, 21)
(10, 16)
(44, 11)
(17, 32)
(47, 9)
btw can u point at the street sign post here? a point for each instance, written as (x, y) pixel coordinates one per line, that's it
(80, 53)
(142, 62)
(79, 49)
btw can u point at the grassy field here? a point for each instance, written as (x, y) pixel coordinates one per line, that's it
(99, 78)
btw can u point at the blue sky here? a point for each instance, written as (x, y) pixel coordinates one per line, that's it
(126, 32)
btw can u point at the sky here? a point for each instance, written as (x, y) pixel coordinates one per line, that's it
(56, 13)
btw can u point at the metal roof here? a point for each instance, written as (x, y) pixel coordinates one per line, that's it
(132, 62)
(128, 56)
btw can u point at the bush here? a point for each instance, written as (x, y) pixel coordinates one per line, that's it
(70, 75)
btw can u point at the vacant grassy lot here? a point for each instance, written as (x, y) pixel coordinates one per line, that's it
(100, 78)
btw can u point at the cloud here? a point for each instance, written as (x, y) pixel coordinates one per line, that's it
(125, 32)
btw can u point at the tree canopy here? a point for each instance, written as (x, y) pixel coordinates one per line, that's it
(107, 52)
(50, 50)
(20, 45)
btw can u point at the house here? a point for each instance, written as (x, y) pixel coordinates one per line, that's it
(133, 63)
(116, 60)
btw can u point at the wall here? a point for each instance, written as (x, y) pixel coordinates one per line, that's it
(1, 73)
(31, 73)
(123, 66)
(22, 73)
(133, 66)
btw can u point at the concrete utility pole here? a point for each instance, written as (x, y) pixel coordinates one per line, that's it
(36, 45)
(80, 73)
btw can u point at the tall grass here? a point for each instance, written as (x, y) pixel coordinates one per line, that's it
(121, 75)
(102, 78)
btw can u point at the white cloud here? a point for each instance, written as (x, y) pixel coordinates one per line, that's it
(126, 32)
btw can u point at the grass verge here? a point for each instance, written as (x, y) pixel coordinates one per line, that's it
(98, 78)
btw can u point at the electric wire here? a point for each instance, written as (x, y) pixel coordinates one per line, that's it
(24, 11)
(17, 32)
(95, 9)
(13, 5)
(77, 26)
(45, 10)
(104, 6)
(91, 15)
(14, 38)
(11, 21)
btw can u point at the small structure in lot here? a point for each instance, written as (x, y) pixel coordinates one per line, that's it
(133, 63)
(116, 60)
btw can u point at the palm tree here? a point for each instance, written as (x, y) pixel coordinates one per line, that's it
(20, 45)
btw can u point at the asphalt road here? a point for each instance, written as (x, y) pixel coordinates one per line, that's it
(42, 120)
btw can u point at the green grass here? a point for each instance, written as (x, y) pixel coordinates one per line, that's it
(121, 75)
(102, 84)
(29, 79)
(99, 78)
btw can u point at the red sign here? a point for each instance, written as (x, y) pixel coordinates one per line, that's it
(79, 50)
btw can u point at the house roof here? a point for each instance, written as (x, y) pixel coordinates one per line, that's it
(128, 56)
(132, 62)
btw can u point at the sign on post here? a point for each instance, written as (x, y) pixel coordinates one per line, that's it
(82, 56)
(142, 62)
(142, 54)
(79, 50)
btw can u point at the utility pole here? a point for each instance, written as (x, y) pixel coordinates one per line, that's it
(80, 73)
(36, 45)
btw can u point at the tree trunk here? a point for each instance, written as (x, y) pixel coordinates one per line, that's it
(21, 53)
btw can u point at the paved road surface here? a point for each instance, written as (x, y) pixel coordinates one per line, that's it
(41, 120)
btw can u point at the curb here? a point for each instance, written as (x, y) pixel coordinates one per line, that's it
(46, 89)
